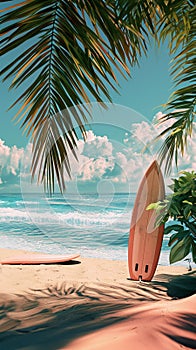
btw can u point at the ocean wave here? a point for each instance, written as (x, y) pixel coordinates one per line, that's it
(12, 213)
(34, 244)
(70, 218)
(3, 202)
(27, 202)
(52, 247)
(82, 207)
(89, 219)
(58, 203)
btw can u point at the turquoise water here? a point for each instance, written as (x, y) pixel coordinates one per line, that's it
(93, 225)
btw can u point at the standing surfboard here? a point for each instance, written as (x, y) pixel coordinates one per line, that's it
(145, 240)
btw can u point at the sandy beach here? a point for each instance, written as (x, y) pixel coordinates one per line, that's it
(91, 304)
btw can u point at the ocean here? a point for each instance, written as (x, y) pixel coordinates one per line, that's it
(94, 225)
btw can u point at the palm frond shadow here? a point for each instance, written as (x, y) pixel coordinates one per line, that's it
(53, 317)
(177, 286)
(64, 312)
(184, 322)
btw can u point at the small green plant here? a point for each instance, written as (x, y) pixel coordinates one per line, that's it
(179, 206)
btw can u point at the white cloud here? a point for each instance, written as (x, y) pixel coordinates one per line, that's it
(188, 160)
(4, 153)
(99, 158)
(95, 158)
(10, 161)
(143, 132)
(96, 146)
(93, 168)
(121, 159)
(120, 163)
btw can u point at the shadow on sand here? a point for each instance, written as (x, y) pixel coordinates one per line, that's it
(52, 318)
(177, 286)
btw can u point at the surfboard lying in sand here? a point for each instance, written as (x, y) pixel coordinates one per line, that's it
(145, 240)
(32, 259)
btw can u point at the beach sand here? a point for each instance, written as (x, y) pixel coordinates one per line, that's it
(91, 304)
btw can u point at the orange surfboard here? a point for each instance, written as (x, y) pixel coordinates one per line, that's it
(33, 259)
(145, 240)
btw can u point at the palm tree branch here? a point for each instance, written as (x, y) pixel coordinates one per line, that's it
(84, 56)
(181, 106)
(69, 51)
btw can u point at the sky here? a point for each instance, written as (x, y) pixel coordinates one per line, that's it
(148, 88)
(112, 158)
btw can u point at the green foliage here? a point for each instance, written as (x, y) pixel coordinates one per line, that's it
(180, 206)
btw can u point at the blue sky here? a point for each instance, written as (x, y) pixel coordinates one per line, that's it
(110, 149)
(149, 87)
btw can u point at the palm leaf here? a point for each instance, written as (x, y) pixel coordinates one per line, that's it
(64, 61)
(181, 106)
(66, 52)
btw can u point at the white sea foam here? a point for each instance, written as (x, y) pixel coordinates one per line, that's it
(87, 227)
(58, 203)
(51, 246)
(34, 244)
(70, 218)
(11, 213)
(90, 219)
(27, 202)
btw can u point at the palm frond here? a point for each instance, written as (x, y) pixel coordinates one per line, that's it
(181, 106)
(61, 61)
(139, 19)
(65, 52)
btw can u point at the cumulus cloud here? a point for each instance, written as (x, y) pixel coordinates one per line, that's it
(188, 160)
(95, 157)
(99, 158)
(10, 161)
(4, 153)
(121, 163)
(97, 146)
